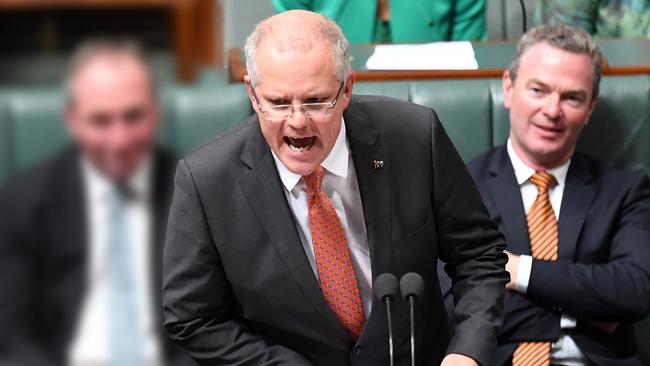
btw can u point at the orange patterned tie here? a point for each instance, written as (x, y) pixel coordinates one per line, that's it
(333, 260)
(542, 231)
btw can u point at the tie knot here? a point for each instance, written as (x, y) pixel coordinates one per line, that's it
(315, 179)
(543, 181)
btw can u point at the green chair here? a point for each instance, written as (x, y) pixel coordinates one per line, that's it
(5, 139)
(197, 115)
(619, 129)
(463, 106)
(37, 128)
(393, 89)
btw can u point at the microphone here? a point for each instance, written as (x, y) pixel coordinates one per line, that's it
(385, 288)
(412, 286)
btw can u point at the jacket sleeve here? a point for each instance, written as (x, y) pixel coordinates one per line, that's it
(616, 291)
(18, 286)
(199, 309)
(468, 21)
(472, 247)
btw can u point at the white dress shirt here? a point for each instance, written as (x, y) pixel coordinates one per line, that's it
(340, 185)
(90, 346)
(564, 351)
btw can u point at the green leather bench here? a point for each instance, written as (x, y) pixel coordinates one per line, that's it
(31, 125)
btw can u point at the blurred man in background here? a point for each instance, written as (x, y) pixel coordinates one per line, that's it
(385, 21)
(80, 235)
(578, 233)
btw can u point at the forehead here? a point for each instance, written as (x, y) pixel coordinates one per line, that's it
(295, 67)
(110, 82)
(556, 67)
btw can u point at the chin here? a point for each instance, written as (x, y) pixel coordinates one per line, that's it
(300, 168)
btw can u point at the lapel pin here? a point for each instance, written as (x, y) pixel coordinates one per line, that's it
(377, 164)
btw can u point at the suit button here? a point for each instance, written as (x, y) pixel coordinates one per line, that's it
(430, 23)
(356, 351)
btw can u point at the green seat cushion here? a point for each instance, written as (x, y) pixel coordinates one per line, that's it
(196, 115)
(37, 127)
(463, 106)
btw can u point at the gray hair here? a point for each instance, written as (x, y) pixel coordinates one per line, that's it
(96, 48)
(565, 38)
(326, 29)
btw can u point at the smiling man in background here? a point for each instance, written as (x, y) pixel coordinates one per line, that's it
(278, 228)
(578, 233)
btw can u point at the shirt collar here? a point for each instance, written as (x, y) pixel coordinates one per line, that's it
(335, 163)
(523, 172)
(99, 186)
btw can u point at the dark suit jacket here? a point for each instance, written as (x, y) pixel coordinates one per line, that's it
(43, 259)
(238, 287)
(603, 270)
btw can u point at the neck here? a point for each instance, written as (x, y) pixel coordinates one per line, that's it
(540, 163)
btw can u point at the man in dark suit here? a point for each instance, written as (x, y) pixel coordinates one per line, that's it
(81, 234)
(578, 233)
(278, 228)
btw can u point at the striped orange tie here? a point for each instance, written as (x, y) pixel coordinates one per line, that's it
(543, 234)
(333, 259)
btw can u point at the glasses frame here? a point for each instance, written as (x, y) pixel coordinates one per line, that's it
(328, 105)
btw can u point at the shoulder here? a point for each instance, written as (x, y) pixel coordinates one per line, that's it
(479, 167)
(28, 191)
(609, 178)
(395, 116)
(218, 159)
(223, 147)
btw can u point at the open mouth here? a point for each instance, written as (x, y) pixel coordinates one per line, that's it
(299, 144)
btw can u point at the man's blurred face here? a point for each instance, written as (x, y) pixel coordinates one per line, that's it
(550, 103)
(294, 77)
(113, 114)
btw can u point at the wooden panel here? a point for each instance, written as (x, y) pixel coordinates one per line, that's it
(197, 40)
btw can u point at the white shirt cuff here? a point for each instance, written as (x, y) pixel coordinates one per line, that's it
(523, 273)
(567, 321)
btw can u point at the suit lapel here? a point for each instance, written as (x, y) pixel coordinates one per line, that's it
(507, 199)
(68, 234)
(263, 189)
(375, 187)
(576, 199)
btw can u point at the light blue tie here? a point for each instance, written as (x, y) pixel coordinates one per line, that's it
(122, 320)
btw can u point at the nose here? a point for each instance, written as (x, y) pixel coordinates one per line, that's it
(120, 134)
(552, 109)
(297, 120)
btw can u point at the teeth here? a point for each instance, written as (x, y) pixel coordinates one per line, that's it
(298, 149)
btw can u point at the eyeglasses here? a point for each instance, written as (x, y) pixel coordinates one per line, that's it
(314, 111)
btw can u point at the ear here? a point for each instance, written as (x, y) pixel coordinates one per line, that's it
(349, 84)
(346, 94)
(249, 90)
(70, 118)
(507, 86)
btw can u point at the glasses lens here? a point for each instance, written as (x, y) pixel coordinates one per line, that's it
(278, 112)
(317, 111)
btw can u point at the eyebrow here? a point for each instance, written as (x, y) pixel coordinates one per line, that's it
(310, 95)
